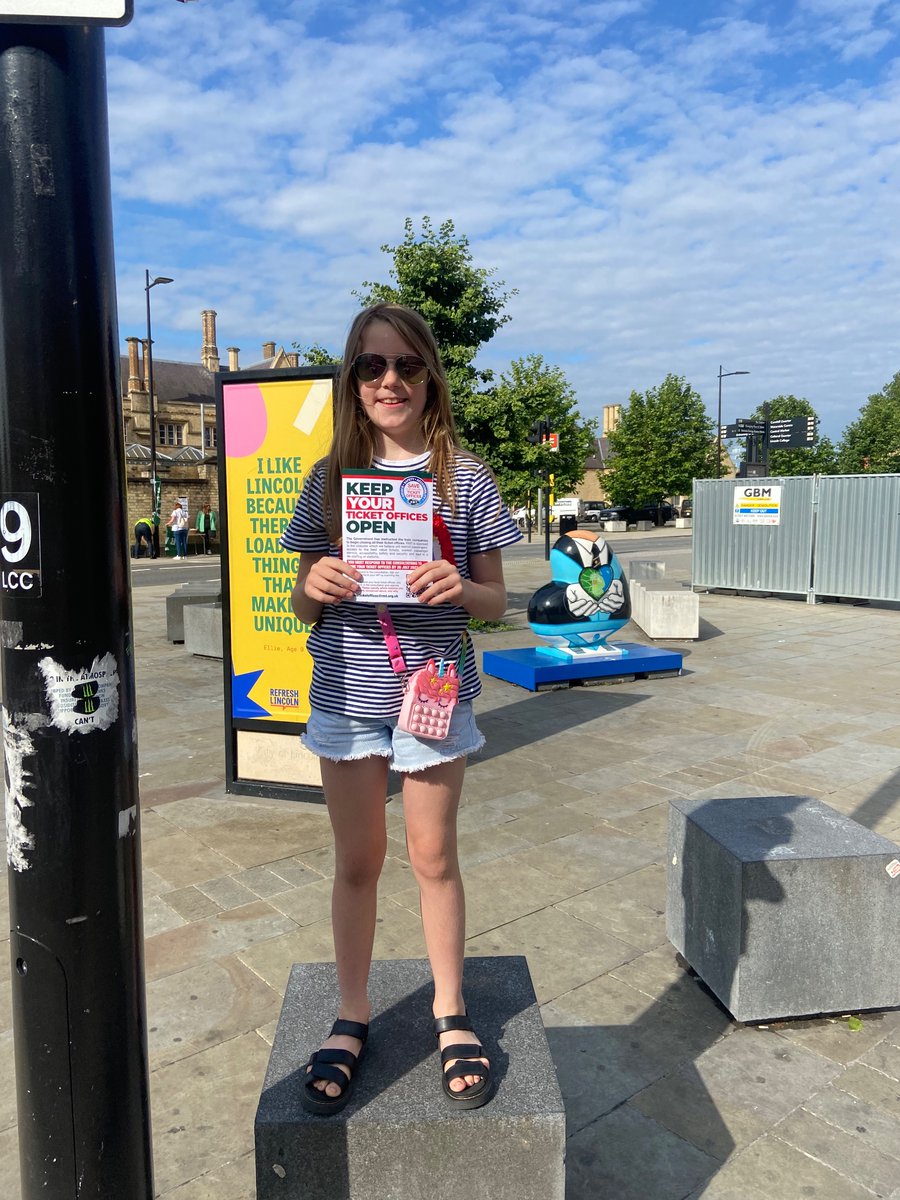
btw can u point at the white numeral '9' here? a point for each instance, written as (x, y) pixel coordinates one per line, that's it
(17, 537)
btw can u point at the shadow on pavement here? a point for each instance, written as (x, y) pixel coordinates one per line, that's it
(542, 715)
(882, 801)
(641, 1120)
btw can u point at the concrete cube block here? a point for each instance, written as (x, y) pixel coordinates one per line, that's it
(783, 906)
(614, 526)
(189, 593)
(643, 526)
(664, 611)
(645, 568)
(203, 629)
(684, 522)
(399, 1137)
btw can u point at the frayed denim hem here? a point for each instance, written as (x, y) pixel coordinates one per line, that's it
(336, 758)
(441, 761)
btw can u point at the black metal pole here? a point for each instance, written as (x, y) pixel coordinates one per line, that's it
(67, 688)
(154, 481)
(153, 490)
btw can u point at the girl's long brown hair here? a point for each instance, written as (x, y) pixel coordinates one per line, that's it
(353, 443)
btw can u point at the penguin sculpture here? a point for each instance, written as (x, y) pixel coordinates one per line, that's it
(588, 598)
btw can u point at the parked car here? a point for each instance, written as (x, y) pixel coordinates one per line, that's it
(591, 510)
(616, 512)
(687, 508)
(657, 514)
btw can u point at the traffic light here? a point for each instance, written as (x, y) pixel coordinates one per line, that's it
(540, 432)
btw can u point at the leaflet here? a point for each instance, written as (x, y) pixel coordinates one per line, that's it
(387, 530)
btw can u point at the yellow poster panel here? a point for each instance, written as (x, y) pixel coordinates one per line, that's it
(274, 432)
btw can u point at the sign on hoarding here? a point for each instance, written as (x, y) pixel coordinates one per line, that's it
(757, 505)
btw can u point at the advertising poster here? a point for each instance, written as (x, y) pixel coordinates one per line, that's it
(274, 431)
(387, 528)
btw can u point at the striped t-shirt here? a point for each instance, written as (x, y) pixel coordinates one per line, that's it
(352, 673)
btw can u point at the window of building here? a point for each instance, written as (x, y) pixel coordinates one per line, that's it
(209, 437)
(171, 435)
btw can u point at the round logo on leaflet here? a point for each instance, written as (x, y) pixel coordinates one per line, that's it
(414, 491)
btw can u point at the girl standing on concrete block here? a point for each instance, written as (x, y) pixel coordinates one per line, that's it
(392, 413)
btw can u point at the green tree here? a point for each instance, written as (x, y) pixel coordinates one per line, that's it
(872, 441)
(497, 423)
(664, 440)
(433, 273)
(316, 355)
(819, 459)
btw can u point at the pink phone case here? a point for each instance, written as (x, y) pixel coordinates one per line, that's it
(429, 701)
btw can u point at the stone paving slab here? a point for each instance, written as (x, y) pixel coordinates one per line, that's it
(771, 1167)
(562, 837)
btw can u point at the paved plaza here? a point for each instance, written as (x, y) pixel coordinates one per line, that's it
(563, 846)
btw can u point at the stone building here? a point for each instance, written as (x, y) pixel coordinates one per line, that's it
(185, 418)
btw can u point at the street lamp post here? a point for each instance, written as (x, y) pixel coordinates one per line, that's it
(153, 491)
(722, 375)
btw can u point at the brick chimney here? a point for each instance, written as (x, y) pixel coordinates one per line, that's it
(268, 349)
(293, 358)
(233, 352)
(134, 366)
(611, 415)
(209, 351)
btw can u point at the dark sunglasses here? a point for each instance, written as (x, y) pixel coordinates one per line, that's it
(369, 367)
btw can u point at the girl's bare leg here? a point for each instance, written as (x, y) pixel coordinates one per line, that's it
(355, 793)
(430, 804)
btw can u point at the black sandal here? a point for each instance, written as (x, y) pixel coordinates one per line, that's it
(475, 1094)
(324, 1065)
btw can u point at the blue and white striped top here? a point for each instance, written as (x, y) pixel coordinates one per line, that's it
(352, 673)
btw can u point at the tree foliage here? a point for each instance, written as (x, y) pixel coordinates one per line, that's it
(317, 355)
(819, 459)
(663, 441)
(872, 441)
(433, 273)
(496, 424)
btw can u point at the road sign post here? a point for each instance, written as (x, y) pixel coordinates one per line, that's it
(67, 678)
(792, 433)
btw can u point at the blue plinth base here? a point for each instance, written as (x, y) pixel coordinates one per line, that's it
(530, 668)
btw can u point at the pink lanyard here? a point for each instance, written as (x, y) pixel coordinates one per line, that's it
(395, 654)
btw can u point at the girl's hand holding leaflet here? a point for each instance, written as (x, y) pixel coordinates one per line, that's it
(437, 582)
(331, 580)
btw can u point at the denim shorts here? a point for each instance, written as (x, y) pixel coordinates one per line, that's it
(341, 739)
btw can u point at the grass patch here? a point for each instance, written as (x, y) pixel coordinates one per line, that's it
(478, 626)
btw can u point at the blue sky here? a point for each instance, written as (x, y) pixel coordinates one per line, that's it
(669, 187)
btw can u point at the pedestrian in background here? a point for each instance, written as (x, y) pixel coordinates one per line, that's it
(206, 526)
(143, 532)
(178, 523)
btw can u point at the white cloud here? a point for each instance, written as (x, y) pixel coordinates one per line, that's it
(665, 198)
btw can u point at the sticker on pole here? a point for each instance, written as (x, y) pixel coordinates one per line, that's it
(893, 868)
(20, 544)
(82, 700)
(67, 12)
